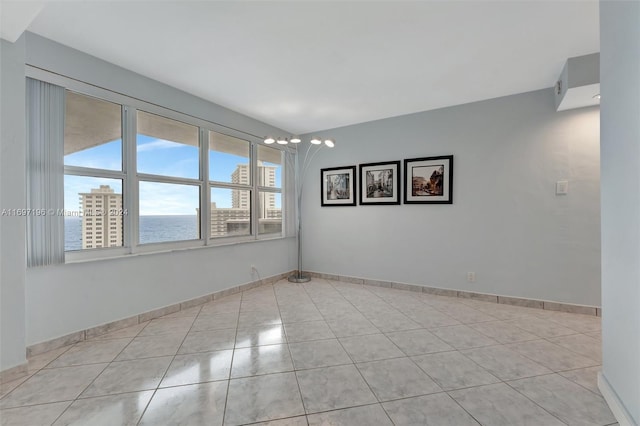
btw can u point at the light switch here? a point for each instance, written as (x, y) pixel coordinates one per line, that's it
(562, 187)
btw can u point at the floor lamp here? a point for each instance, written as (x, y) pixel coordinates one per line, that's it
(300, 171)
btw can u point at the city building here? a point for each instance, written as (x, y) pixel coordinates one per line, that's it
(101, 218)
(236, 220)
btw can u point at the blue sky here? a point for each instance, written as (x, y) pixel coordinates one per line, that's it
(155, 156)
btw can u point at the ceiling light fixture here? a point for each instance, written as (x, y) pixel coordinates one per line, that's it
(597, 96)
(329, 143)
(282, 141)
(295, 139)
(269, 140)
(316, 141)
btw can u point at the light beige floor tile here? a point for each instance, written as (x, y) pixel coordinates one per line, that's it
(393, 322)
(263, 398)
(541, 327)
(151, 346)
(467, 315)
(199, 404)
(291, 421)
(300, 314)
(431, 318)
(581, 344)
(552, 356)
(331, 388)
(319, 353)
(585, 377)
(505, 363)
(370, 415)
(431, 410)
(503, 332)
(261, 360)
(93, 352)
(578, 322)
(452, 370)
(131, 331)
(124, 409)
(255, 318)
(53, 385)
(260, 335)
(165, 325)
(7, 387)
(198, 368)
(40, 361)
(418, 342)
(463, 337)
(370, 348)
(207, 341)
(396, 378)
(307, 331)
(33, 415)
(346, 327)
(129, 376)
(500, 405)
(566, 400)
(215, 322)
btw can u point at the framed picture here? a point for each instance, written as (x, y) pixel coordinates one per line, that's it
(380, 183)
(429, 180)
(338, 186)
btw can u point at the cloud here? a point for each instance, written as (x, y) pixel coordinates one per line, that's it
(158, 144)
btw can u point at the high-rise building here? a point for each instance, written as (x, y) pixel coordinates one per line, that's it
(101, 218)
(266, 177)
(236, 220)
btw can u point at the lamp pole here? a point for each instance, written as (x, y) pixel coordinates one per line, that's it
(300, 173)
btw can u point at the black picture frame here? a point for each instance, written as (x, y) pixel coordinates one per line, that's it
(380, 183)
(428, 180)
(338, 186)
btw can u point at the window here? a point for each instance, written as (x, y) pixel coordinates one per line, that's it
(168, 212)
(93, 167)
(168, 166)
(167, 147)
(230, 185)
(270, 190)
(184, 182)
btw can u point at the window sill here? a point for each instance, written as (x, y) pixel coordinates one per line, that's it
(95, 255)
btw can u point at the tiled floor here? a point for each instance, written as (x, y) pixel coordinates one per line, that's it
(324, 353)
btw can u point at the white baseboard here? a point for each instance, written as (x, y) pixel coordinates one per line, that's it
(617, 407)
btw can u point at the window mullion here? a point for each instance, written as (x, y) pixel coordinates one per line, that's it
(205, 193)
(255, 200)
(131, 221)
(87, 171)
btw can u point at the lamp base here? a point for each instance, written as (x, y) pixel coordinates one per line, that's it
(299, 278)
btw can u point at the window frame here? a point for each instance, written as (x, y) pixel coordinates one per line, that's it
(131, 178)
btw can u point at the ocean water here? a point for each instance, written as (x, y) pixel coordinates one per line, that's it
(153, 229)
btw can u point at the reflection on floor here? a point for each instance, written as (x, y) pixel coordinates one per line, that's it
(324, 353)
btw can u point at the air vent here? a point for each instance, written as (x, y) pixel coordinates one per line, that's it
(579, 83)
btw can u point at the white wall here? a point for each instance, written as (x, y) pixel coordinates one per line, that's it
(506, 223)
(12, 195)
(620, 87)
(67, 298)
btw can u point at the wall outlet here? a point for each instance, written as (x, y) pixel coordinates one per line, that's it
(471, 277)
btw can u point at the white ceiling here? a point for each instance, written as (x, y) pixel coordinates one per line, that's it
(313, 65)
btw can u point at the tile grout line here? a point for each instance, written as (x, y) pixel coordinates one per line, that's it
(233, 355)
(293, 365)
(168, 365)
(354, 362)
